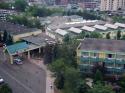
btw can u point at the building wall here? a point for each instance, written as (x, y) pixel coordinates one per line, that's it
(112, 5)
(114, 65)
(18, 37)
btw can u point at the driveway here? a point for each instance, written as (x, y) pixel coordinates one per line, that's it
(26, 78)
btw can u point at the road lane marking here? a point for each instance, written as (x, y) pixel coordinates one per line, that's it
(12, 77)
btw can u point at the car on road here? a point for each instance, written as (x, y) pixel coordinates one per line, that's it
(1, 80)
(18, 61)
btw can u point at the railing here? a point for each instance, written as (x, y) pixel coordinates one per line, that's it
(84, 59)
(85, 68)
(109, 60)
(106, 60)
(119, 70)
(120, 61)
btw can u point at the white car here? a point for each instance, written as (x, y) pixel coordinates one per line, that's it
(1, 80)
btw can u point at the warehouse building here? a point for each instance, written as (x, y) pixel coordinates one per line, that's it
(18, 31)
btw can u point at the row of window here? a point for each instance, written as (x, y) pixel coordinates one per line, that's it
(103, 55)
(106, 64)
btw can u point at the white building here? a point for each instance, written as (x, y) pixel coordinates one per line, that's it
(112, 5)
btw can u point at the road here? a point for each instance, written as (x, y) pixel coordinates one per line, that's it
(26, 78)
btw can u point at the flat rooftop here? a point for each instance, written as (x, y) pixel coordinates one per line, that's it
(40, 40)
(102, 45)
(15, 29)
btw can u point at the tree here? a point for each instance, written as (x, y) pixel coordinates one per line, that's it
(108, 35)
(66, 38)
(98, 76)
(82, 87)
(118, 37)
(95, 35)
(122, 83)
(20, 5)
(4, 5)
(100, 88)
(9, 40)
(123, 37)
(58, 68)
(72, 78)
(48, 54)
(5, 89)
(5, 36)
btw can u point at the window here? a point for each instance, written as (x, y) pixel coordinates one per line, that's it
(109, 55)
(85, 53)
(109, 64)
(94, 54)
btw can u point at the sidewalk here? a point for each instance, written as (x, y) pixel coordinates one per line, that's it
(49, 79)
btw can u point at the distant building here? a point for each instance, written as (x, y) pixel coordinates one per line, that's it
(112, 5)
(36, 2)
(70, 25)
(109, 54)
(4, 13)
(90, 4)
(7, 1)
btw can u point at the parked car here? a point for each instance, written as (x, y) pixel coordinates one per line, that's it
(18, 61)
(1, 80)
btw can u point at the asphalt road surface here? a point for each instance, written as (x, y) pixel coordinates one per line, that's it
(26, 78)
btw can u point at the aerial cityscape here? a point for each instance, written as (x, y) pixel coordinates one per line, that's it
(62, 46)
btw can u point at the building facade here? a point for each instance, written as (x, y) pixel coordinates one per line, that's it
(110, 54)
(112, 5)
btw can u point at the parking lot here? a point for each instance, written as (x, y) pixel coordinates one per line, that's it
(26, 78)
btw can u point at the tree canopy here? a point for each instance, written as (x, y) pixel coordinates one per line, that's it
(100, 88)
(5, 89)
(20, 5)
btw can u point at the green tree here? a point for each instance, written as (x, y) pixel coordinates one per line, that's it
(81, 35)
(122, 83)
(123, 37)
(108, 35)
(72, 78)
(100, 88)
(82, 87)
(95, 35)
(118, 37)
(66, 38)
(9, 40)
(20, 5)
(5, 36)
(4, 5)
(48, 56)
(98, 77)
(58, 68)
(5, 89)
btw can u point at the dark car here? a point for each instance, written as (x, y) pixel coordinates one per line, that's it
(18, 61)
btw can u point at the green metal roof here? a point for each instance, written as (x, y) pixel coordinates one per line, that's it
(19, 47)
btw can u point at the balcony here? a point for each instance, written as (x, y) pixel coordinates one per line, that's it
(86, 68)
(94, 59)
(84, 59)
(109, 60)
(120, 61)
(118, 70)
